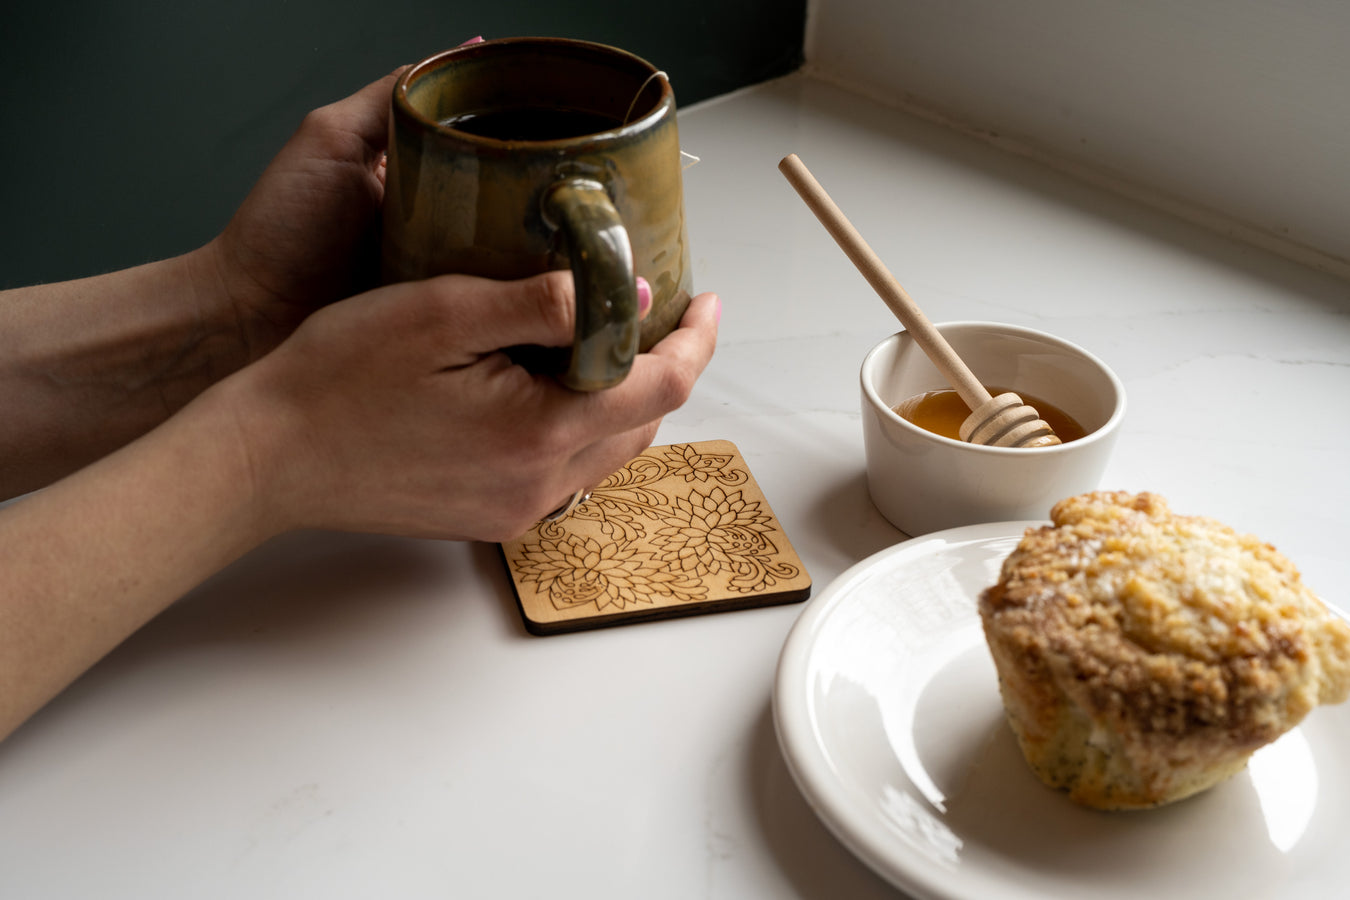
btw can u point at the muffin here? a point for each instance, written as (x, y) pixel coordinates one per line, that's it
(1143, 656)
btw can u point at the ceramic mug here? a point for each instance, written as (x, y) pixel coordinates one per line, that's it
(511, 157)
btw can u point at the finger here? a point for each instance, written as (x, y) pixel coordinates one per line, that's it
(604, 457)
(703, 317)
(683, 354)
(660, 380)
(538, 310)
(355, 127)
(366, 113)
(595, 462)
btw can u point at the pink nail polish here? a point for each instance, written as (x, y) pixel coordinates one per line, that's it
(644, 295)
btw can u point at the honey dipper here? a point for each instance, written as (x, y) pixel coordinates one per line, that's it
(1002, 421)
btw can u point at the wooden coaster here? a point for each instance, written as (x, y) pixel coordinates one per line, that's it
(681, 530)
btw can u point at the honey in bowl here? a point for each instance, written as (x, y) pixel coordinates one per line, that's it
(942, 412)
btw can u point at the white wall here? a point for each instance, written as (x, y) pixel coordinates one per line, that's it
(1235, 113)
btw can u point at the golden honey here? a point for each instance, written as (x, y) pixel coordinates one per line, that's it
(942, 412)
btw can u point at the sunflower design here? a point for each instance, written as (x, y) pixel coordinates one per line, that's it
(576, 570)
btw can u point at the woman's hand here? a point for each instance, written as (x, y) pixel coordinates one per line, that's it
(307, 233)
(397, 411)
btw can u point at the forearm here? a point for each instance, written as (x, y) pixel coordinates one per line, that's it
(87, 366)
(86, 562)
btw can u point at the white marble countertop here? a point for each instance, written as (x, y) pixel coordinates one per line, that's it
(350, 716)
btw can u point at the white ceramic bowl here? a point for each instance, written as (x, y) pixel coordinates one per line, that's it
(924, 482)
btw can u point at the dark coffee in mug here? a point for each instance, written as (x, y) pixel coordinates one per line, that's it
(532, 123)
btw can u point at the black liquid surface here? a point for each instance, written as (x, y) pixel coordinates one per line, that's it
(532, 123)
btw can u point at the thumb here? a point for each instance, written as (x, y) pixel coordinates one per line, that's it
(477, 316)
(472, 317)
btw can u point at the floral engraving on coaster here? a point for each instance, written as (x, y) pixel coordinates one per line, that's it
(718, 533)
(575, 571)
(657, 532)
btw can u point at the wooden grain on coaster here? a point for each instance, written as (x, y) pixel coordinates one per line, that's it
(681, 530)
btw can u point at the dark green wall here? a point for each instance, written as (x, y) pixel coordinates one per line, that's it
(133, 129)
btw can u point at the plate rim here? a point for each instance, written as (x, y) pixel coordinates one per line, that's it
(791, 713)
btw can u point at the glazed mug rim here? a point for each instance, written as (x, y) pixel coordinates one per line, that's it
(659, 110)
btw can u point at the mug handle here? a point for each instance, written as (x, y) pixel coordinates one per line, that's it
(606, 335)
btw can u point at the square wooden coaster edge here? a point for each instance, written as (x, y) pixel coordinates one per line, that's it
(665, 613)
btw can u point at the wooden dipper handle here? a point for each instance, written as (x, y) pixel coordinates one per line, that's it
(1003, 421)
(884, 283)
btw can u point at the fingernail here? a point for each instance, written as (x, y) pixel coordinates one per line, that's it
(473, 40)
(644, 292)
(717, 310)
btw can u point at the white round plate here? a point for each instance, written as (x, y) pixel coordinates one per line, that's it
(887, 710)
